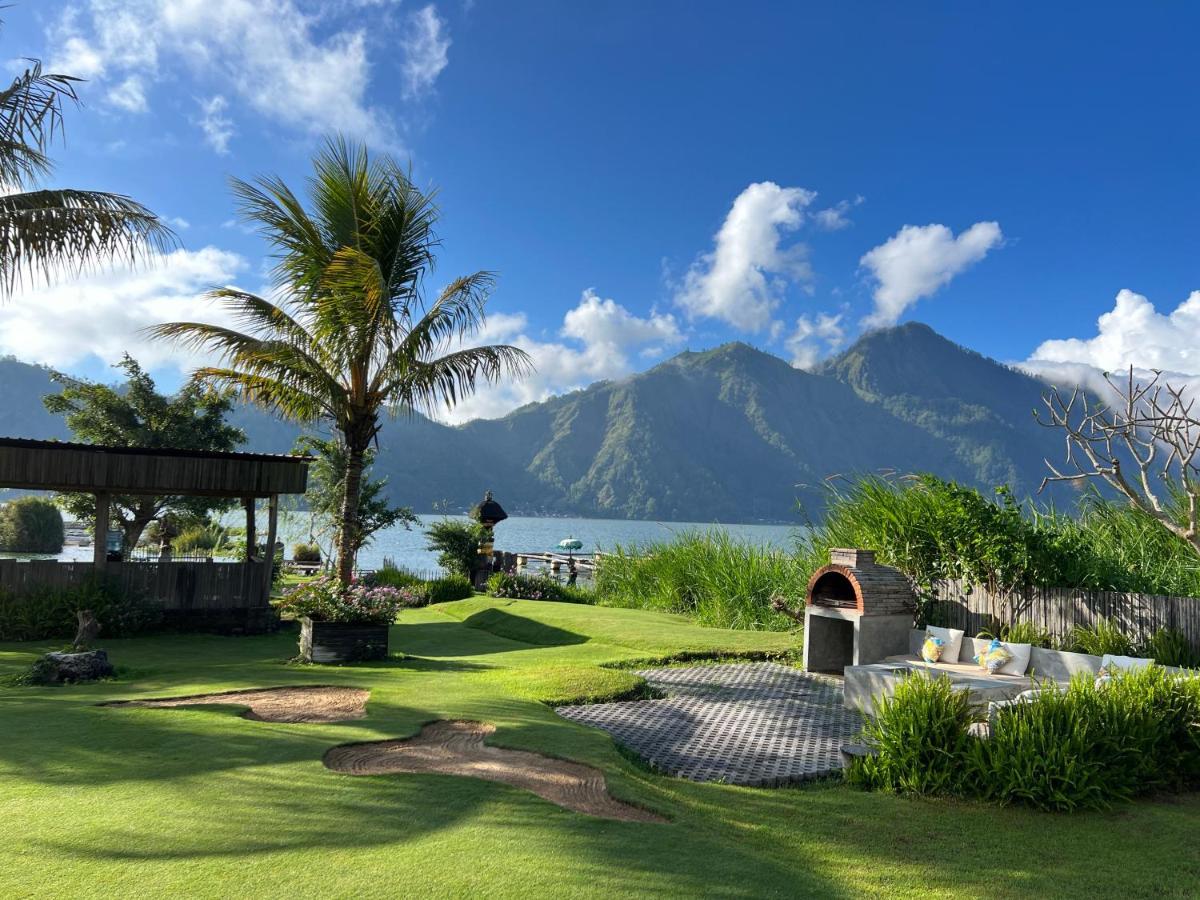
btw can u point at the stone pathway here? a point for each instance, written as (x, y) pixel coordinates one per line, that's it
(757, 724)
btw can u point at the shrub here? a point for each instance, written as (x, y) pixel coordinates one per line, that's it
(919, 738)
(1088, 746)
(456, 543)
(1085, 746)
(396, 577)
(210, 538)
(1170, 647)
(932, 529)
(450, 588)
(31, 525)
(535, 587)
(1103, 637)
(1021, 633)
(306, 553)
(711, 576)
(327, 600)
(51, 612)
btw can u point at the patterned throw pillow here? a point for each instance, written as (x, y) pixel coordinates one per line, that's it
(931, 650)
(994, 657)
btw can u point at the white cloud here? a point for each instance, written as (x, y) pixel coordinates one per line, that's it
(426, 50)
(918, 260)
(179, 222)
(1134, 333)
(815, 338)
(283, 59)
(834, 218)
(600, 337)
(129, 95)
(743, 279)
(217, 127)
(102, 314)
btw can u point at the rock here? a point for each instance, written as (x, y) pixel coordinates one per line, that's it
(58, 668)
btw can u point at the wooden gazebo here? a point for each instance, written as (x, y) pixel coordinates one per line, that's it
(232, 595)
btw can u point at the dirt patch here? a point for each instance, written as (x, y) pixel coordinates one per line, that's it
(311, 704)
(457, 748)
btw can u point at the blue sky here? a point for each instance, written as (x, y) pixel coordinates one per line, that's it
(646, 177)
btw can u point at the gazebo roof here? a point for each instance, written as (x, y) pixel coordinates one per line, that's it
(62, 466)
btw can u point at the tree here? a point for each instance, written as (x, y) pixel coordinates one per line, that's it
(456, 543)
(31, 525)
(350, 336)
(1144, 443)
(327, 487)
(137, 415)
(47, 231)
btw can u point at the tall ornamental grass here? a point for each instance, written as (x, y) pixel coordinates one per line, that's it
(716, 579)
(932, 529)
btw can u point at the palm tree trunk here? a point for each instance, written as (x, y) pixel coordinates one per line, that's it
(349, 517)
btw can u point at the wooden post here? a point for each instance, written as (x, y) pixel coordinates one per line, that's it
(100, 545)
(272, 528)
(251, 537)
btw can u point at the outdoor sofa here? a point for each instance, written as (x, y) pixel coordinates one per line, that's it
(866, 685)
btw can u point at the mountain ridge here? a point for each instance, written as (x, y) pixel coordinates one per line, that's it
(731, 433)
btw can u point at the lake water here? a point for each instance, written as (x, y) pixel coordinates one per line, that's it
(518, 534)
(522, 534)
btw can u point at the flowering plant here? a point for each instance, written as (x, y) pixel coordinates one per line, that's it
(325, 599)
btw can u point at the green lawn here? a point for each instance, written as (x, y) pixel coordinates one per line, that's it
(198, 801)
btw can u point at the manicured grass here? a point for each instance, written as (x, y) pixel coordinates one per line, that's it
(198, 801)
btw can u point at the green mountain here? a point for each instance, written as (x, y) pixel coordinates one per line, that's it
(730, 434)
(982, 410)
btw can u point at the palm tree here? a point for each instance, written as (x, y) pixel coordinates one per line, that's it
(349, 334)
(45, 232)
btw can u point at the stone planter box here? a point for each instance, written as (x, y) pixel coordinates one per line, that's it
(336, 642)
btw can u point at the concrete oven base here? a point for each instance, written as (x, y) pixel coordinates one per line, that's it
(836, 637)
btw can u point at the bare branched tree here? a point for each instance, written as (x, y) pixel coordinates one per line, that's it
(1144, 442)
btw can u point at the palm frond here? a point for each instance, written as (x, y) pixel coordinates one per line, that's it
(30, 115)
(269, 393)
(429, 385)
(43, 232)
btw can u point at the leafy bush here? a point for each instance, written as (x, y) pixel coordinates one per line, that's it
(456, 543)
(450, 588)
(1170, 647)
(1021, 633)
(1103, 637)
(210, 538)
(51, 612)
(711, 576)
(31, 525)
(396, 577)
(932, 529)
(535, 587)
(919, 737)
(306, 553)
(327, 600)
(1086, 746)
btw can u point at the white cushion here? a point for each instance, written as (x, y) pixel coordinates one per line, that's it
(1020, 659)
(1109, 662)
(951, 642)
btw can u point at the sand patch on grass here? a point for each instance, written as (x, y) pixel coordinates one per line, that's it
(319, 703)
(458, 748)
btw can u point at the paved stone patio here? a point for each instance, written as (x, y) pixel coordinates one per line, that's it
(757, 724)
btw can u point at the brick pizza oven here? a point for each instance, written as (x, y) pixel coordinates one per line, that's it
(856, 612)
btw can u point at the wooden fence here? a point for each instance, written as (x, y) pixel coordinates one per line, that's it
(182, 586)
(1058, 610)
